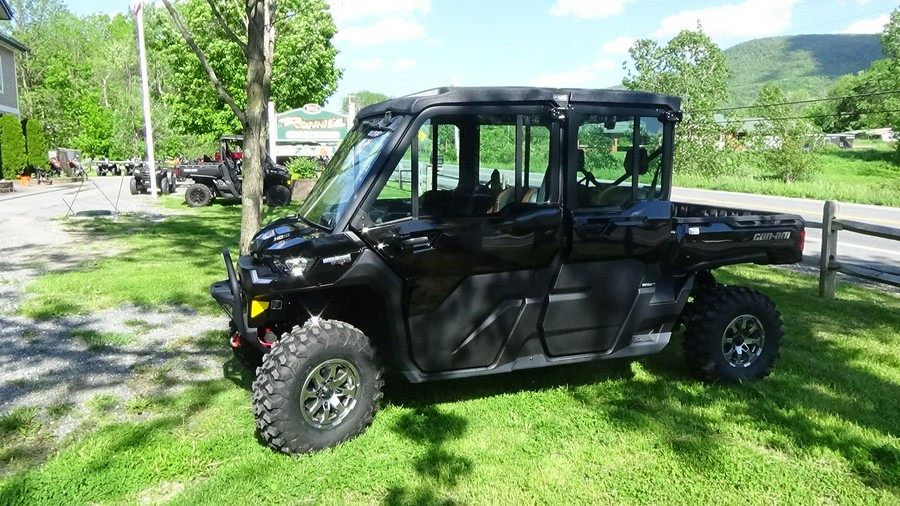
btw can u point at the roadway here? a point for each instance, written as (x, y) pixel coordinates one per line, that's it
(34, 205)
(853, 249)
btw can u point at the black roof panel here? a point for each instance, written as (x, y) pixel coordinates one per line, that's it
(416, 102)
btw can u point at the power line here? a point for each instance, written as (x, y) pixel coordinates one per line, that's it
(797, 102)
(888, 111)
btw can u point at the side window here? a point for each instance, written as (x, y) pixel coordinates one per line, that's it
(619, 161)
(394, 201)
(466, 165)
(478, 160)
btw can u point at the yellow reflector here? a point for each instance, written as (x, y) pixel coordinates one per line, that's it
(257, 307)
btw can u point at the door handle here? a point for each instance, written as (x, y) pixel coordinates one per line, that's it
(415, 241)
(630, 220)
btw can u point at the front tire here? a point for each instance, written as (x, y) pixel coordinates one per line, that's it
(319, 386)
(198, 195)
(278, 196)
(733, 335)
(132, 185)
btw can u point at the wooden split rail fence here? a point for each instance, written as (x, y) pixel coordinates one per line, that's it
(829, 265)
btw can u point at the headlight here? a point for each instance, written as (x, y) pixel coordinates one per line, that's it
(296, 266)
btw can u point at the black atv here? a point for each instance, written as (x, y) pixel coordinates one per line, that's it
(140, 182)
(224, 180)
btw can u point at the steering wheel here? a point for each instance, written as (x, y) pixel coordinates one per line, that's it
(589, 177)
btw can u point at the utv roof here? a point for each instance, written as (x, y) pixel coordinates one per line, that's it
(499, 95)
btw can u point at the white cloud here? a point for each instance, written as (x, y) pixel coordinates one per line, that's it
(404, 64)
(344, 10)
(370, 64)
(589, 9)
(869, 25)
(750, 18)
(619, 45)
(584, 75)
(384, 30)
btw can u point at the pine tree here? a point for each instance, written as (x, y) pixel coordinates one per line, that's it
(12, 147)
(35, 144)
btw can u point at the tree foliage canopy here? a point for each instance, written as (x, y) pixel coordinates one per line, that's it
(303, 66)
(362, 98)
(692, 67)
(80, 78)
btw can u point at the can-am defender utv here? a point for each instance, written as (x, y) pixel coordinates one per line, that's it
(546, 237)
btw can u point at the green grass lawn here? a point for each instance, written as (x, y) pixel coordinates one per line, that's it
(169, 262)
(864, 176)
(824, 428)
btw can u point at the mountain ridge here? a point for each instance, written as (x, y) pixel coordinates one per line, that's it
(804, 64)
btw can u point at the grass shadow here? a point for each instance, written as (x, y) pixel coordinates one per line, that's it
(439, 468)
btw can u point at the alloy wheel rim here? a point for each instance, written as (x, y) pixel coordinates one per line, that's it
(329, 393)
(743, 341)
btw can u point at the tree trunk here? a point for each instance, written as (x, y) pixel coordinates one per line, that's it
(256, 126)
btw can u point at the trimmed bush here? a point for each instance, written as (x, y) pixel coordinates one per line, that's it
(303, 167)
(12, 147)
(35, 144)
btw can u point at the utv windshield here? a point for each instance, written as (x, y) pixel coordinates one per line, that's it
(348, 169)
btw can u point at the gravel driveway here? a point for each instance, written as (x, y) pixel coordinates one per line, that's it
(44, 363)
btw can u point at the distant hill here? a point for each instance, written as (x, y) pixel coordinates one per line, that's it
(809, 63)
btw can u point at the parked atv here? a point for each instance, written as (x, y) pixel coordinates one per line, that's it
(224, 180)
(140, 182)
(106, 168)
(441, 271)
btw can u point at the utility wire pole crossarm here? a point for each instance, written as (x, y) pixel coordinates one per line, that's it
(137, 9)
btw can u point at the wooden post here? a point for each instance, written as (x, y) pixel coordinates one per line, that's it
(828, 260)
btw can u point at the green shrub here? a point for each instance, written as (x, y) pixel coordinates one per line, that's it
(12, 146)
(35, 144)
(303, 168)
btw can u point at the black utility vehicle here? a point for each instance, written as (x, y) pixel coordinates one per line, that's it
(546, 237)
(223, 179)
(140, 182)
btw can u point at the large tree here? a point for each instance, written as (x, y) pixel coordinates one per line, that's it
(693, 67)
(783, 137)
(226, 40)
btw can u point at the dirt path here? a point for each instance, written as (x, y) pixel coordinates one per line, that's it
(49, 364)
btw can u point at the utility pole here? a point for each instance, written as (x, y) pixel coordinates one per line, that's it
(136, 7)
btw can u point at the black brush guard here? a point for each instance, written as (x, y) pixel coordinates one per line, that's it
(228, 294)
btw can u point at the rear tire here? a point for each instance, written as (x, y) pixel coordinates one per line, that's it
(132, 185)
(733, 335)
(278, 196)
(319, 386)
(198, 195)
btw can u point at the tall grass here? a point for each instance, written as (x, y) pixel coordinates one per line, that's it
(860, 176)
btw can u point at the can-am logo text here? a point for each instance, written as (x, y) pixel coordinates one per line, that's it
(769, 236)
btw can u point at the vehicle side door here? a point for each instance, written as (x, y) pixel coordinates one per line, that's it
(617, 167)
(471, 221)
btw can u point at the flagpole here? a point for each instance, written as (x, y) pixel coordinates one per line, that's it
(136, 7)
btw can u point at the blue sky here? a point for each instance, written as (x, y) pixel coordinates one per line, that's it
(402, 46)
